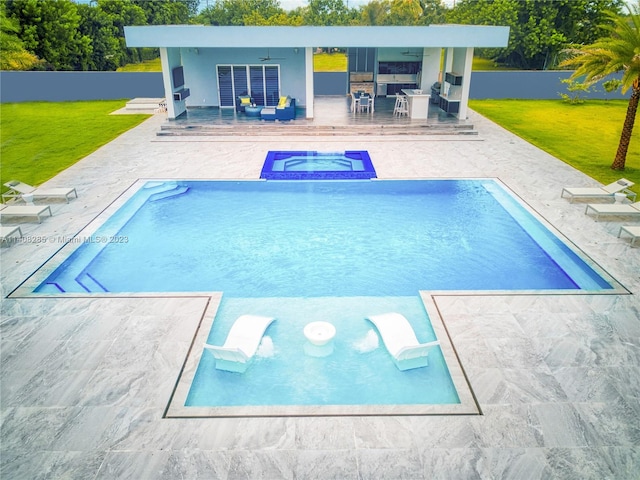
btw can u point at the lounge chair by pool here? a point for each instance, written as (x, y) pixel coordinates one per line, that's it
(607, 191)
(17, 189)
(10, 233)
(632, 230)
(401, 342)
(241, 344)
(623, 210)
(25, 211)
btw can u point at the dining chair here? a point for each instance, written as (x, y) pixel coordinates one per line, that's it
(365, 103)
(355, 102)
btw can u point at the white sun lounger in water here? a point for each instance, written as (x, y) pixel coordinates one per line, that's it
(241, 343)
(401, 341)
(607, 191)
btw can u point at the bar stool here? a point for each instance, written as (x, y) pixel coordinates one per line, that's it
(402, 105)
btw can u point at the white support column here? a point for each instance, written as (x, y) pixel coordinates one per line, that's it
(466, 83)
(166, 80)
(170, 58)
(430, 68)
(448, 60)
(308, 66)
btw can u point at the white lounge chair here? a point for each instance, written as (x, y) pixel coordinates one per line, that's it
(620, 209)
(607, 191)
(17, 189)
(9, 233)
(241, 344)
(401, 342)
(25, 211)
(632, 230)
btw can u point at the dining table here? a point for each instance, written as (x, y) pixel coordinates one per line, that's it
(361, 102)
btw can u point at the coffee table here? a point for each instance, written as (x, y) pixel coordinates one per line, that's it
(253, 111)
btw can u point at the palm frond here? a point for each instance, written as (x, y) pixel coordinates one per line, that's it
(618, 52)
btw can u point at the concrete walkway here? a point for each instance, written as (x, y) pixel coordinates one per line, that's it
(85, 381)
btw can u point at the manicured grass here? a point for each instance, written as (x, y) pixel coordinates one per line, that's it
(585, 136)
(146, 66)
(41, 139)
(484, 64)
(325, 62)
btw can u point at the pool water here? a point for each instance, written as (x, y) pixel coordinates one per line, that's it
(313, 165)
(316, 239)
(359, 371)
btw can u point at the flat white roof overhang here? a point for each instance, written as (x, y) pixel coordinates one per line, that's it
(190, 36)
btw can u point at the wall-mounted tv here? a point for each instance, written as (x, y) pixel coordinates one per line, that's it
(178, 77)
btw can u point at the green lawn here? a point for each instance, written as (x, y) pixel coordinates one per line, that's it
(334, 62)
(41, 139)
(585, 136)
(484, 64)
(146, 66)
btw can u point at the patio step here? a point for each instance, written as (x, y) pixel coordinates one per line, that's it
(291, 129)
(144, 103)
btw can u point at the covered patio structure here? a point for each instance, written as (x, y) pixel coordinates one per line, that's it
(332, 116)
(211, 66)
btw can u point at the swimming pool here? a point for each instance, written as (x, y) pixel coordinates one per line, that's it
(315, 239)
(305, 251)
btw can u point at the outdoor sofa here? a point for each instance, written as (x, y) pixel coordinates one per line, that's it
(285, 110)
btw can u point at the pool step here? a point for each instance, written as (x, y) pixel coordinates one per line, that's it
(177, 190)
(89, 283)
(292, 129)
(76, 275)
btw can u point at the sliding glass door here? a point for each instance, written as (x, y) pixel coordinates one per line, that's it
(262, 82)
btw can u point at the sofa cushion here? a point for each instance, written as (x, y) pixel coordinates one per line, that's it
(268, 113)
(283, 101)
(245, 100)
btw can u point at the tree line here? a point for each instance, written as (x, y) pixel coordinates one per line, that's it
(74, 35)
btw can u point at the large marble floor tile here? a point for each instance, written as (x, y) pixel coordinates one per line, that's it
(84, 382)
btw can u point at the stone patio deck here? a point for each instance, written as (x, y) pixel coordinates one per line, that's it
(85, 381)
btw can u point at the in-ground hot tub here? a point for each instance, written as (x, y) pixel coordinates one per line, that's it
(312, 165)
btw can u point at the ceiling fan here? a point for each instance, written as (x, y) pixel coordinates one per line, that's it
(409, 53)
(269, 57)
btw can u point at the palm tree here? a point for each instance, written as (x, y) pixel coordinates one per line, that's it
(619, 52)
